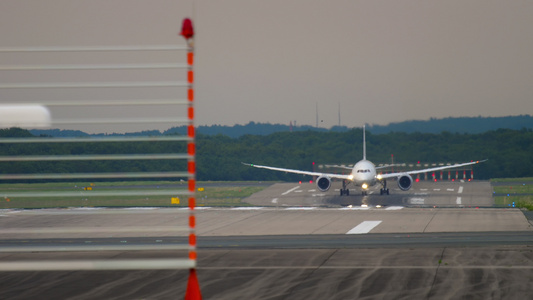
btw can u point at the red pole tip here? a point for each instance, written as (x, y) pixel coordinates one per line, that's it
(193, 287)
(186, 29)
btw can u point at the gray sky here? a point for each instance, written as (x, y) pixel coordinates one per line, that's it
(273, 61)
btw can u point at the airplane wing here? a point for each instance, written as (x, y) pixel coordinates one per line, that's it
(340, 167)
(387, 166)
(330, 175)
(391, 175)
(350, 168)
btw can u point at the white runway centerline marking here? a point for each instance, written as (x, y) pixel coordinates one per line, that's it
(275, 200)
(364, 227)
(294, 188)
(247, 208)
(417, 200)
(460, 190)
(300, 208)
(458, 201)
(394, 208)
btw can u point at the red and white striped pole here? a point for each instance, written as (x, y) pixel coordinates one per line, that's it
(193, 287)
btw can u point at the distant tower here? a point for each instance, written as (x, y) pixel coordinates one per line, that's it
(290, 126)
(316, 115)
(339, 114)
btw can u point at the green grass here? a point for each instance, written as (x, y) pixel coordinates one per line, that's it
(208, 196)
(525, 179)
(514, 189)
(520, 201)
(520, 194)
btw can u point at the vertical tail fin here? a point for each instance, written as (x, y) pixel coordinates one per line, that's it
(364, 142)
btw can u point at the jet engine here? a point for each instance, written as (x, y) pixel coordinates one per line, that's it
(323, 183)
(405, 182)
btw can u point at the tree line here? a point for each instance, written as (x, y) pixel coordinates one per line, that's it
(433, 125)
(219, 157)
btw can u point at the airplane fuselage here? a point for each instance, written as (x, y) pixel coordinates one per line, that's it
(364, 174)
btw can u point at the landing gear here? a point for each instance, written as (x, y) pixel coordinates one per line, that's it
(384, 190)
(344, 190)
(365, 193)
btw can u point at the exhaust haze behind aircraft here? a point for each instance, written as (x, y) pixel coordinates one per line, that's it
(364, 175)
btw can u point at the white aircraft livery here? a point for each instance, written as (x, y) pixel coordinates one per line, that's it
(364, 175)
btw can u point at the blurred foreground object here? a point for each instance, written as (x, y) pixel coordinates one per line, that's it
(24, 116)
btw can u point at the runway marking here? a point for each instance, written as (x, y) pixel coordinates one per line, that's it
(458, 201)
(394, 208)
(275, 200)
(247, 208)
(300, 208)
(417, 200)
(311, 191)
(364, 227)
(134, 208)
(460, 190)
(423, 189)
(354, 208)
(294, 188)
(298, 191)
(450, 190)
(436, 190)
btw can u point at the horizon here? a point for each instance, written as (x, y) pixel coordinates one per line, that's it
(369, 127)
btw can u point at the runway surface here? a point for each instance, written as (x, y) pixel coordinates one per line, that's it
(422, 194)
(304, 245)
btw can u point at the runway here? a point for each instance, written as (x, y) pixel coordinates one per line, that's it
(304, 245)
(422, 194)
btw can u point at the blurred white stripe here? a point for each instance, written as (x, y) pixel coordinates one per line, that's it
(72, 248)
(111, 264)
(90, 67)
(96, 48)
(94, 85)
(93, 229)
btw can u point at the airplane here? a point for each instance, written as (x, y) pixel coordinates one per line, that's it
(364, 175)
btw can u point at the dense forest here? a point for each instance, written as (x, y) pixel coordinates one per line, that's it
(219, 156)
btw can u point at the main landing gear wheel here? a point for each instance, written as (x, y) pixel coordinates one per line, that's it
(384, 190)
(344, 190)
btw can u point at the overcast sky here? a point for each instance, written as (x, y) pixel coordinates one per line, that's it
(275, 61)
